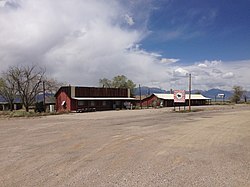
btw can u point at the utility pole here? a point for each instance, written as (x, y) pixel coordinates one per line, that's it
(44, 106)
(189, 101)
(140, 96)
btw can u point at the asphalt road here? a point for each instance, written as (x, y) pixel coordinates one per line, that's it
(153, 147)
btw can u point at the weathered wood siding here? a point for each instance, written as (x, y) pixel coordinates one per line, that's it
(100, 92)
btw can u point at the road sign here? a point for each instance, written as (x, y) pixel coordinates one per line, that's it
(179, 96)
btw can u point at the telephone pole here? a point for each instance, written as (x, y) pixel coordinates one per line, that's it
(140, 96)
(189, 101)
(44, 105)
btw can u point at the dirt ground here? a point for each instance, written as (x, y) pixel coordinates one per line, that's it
(153, 147)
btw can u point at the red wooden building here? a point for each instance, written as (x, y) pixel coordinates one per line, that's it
(167, 100)
(74, 98)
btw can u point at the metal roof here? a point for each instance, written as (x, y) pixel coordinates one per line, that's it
(16, 100)
(171, 96)
(103, 98)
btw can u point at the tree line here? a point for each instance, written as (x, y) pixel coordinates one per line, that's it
(119, 81)
(25, 83)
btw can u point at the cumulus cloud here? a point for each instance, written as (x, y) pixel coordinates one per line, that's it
(2, 3)
(169, 60)
(228, 75)
(209, 74)
(80, 42)
(129, 20)
(202, 65)
(180, 72)
(219, 74)
(77, 41)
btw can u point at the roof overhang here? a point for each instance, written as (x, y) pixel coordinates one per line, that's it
(104, 98)
(3, 103)
(171, 96)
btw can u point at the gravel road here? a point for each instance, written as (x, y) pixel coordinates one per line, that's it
(153, 147)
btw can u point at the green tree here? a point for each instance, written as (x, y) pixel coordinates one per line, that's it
(105, 83)
(119, 81)
(237, 94)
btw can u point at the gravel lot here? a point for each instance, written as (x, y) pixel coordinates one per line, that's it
(153, 147)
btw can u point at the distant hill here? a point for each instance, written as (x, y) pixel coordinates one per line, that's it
(148, 90)
(214, 92)
(49, 98)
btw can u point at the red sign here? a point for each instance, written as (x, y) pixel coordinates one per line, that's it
(179, 96)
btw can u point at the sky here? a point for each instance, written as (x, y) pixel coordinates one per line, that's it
(155, 43)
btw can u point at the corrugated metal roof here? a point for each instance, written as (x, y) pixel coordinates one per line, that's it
(171, 96)
(103, 98)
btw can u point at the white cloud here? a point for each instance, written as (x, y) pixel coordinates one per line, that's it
(169, 60)
(202, 65)
(129, 20)
(180, 72)
(80, 42)
(2, 3)
(228, 75)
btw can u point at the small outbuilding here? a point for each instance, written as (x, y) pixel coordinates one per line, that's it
(4, 105)
(76, 98)
(167, 100)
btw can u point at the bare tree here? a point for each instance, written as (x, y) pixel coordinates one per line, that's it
(28, 81)
(8, 90)
(52, 85)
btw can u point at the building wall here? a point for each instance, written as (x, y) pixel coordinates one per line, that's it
(151, 101)
(100, 105)
(66, 94)
(60, 98)
(100, 92)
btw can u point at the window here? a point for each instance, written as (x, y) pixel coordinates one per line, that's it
(81, 103)
(104, 103)
(92, 103)
(64, 104)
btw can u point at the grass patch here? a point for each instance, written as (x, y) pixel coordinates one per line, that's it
(23, 113)
(187, 111)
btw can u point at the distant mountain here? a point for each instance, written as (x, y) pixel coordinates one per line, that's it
(214, 92)
(148, 90)
(49, 98)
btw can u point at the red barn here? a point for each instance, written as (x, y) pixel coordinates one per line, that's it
(74, 98)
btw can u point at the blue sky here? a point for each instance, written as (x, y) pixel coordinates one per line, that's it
(197, 30)
(155, 43)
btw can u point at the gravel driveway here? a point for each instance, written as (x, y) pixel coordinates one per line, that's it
(153, 147)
